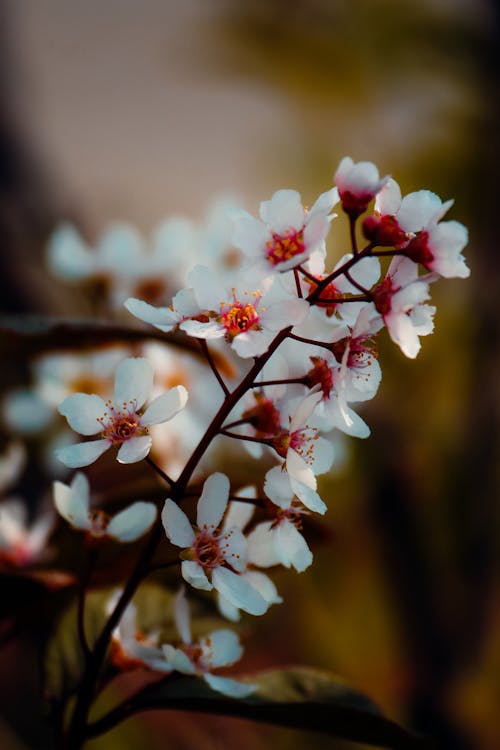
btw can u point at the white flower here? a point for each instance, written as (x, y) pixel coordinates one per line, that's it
(248, 315)
(213, 559)
(73, 504)
(11, 464)
(358, 184)
(220, 648)
(436, 244)
(238, 516)
(21, 544)
(130, 647)
(399, 300)
(279, 541)
(288, 233)
(120, 421)
(305, 453)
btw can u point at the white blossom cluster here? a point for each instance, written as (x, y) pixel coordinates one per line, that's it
(303, 335)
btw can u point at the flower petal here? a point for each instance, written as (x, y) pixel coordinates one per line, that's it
(177, 525)
(133, 382)
(166, 406)
(182, 617)
(292, 547)
(82, 410)
(283, 211)
(193, 573)
(226, 686)
(82, 454)
(161, 317)
(221, 648)
(178, 660)
(239, 592)
(213, 501)
(134, 449)
(133, 522)
(73, 505)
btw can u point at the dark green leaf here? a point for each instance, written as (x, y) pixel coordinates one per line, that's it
(299, 697)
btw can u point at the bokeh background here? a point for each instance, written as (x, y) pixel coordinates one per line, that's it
(119, 109)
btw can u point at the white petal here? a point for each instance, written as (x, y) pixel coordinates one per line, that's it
(239, 514)
(325, 202)
(208, 289)
(72, 505)
(134, 381)
(227, 610)
(403, 334)
(213, 501)
(161, 317)
(285, 313)
(323, 454)
(226, 686)
(389, 199)
(261, 549)
(182, 617)
(264, 585)
(277, 487)
(234, 548)
(417, 209)
(134, 449)
(166, 406)
(251, 343)
(298, 469)
(177, 525)
(249, 234)
(308, 496)
(133, 522)
(193, 573)
(211, 330)
(68, 256)
(82, 410)
(304, 410)
(292, 547)
(221, 648)
(238, 591)
(82, 454)
(283, 211)
(178, 660)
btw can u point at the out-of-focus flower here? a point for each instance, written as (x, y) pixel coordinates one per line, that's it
(121, 421)
(22, 543)
(220, 648)
(213, 559)
(73, 503)
(130, 647)
(287, 234)
(11, 464)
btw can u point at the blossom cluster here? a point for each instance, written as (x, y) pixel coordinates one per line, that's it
(300, 333)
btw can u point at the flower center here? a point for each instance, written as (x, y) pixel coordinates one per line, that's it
(330, 292)
(99, 520)
(207, 550)
(241, 315)
(120, 425)
(283, 247)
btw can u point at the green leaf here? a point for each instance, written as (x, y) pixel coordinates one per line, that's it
(298, 697)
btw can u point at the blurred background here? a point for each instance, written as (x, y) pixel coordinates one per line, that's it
(119, 109)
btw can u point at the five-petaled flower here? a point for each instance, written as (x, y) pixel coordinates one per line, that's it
(213, 558)
(122, 421)
(288, 233)
(221, 648)
(73, 504)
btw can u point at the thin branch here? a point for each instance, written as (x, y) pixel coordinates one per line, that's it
(236, 423)
(285, 381)
(297, 283)
(353, 281)
(324, 344)
(159, 471)
(260, 502)
(236, 436)
(213, 367)
(308, 275)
